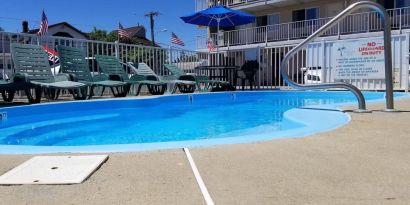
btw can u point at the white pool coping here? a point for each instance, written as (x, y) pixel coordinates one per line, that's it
(315, 119)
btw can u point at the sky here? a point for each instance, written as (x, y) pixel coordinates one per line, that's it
(103, 14)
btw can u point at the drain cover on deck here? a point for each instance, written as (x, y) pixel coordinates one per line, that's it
(54, 170)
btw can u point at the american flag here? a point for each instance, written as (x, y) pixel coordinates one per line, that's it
(43, 25)
(176, 40)
(121, 32)
(211, 45)
(52, 54)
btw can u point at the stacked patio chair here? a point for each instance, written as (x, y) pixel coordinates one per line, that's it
(34, 76)
(111, 66)
(73, 63)
(208, 85)
(186, 85)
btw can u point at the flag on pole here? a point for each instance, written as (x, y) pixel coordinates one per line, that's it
(121, 32)
(43, 25)
(210, 44)
(176, 40)
(52, 54)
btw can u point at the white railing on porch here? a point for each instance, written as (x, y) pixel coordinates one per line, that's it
(204, 4)
(153, 56)
(355, 23)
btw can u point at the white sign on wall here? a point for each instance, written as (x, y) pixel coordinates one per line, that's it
(359, 59)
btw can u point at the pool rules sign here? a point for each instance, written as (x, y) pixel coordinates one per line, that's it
(359, 59)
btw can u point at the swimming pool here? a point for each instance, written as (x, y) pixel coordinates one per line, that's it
(171, 121)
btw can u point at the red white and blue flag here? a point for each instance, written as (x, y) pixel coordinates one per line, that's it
(43, 25)
(176, 40)
(122, 33)
(52, 54)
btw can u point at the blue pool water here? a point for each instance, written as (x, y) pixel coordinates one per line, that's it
(175, 118)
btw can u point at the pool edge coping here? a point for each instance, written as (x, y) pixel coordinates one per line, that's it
(333, 110)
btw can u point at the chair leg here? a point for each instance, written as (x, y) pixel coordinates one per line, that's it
(80, 93)
(91, 94)
(138, 89)
(120, 91)
(8, 96)
(52, 93)
(37, 95)
(186, 88)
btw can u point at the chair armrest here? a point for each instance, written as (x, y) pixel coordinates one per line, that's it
(201, 77)
(167, 77)
(187, 77)
(101, 77)
(63, 77)
(115, 77)
(20, 78)
(71, 77)
(132, 67)
(138, 78)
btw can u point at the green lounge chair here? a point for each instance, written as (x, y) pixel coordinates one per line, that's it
(7, 91)
(31, 62)
(208, 84)
(185, 86)
(72, 61)
(111, 66)
(8, 88)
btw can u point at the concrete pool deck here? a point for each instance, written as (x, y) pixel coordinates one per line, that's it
(363, 162)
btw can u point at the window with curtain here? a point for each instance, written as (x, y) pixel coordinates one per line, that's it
(273, 19)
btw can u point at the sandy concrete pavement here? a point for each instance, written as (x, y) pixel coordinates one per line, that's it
(364, 162)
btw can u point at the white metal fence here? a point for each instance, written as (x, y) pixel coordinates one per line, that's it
(155, 57)
(354, 23)
(318, 57)
(267, 77)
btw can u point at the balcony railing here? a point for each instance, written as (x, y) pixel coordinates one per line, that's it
(355, 23)
(204, 4)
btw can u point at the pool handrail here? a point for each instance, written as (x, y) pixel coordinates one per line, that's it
(387, 55)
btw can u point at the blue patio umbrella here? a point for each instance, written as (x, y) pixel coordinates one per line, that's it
(219, 16)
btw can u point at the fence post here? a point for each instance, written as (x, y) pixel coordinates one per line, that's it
(117, 49)
(258, 56)
(246, 36)
(266, 35)
(288, 31)
(400, 16)
(406, 59)
(324, 69)
(338, 31)
(368, 22)
(170, 54)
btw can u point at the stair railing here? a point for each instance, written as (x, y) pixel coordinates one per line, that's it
(387, 55)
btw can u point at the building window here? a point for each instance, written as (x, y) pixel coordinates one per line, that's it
(273, 19)
(261, 21)
(402, 3)
(388, 4)
(305, 14)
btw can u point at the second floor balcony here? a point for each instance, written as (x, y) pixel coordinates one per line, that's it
(353, 24)
(204, 4)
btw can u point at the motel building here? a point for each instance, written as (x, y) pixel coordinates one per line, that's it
(355, 43)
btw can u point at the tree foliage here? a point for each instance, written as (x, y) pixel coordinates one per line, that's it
(102, 35)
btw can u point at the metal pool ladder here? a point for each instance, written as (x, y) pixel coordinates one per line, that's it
(387, 55)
